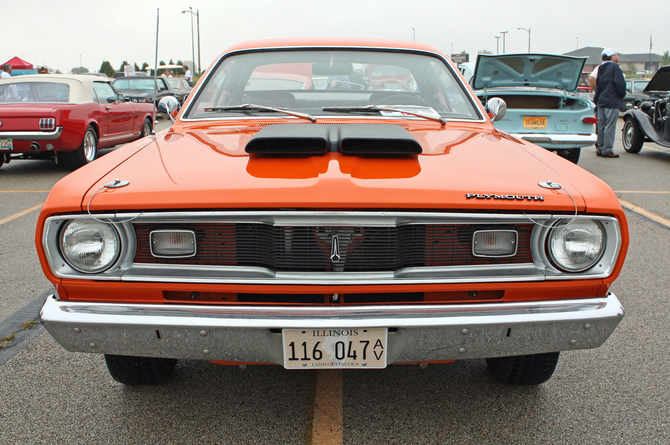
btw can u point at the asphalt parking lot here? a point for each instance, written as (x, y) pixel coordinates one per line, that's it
(616, 394)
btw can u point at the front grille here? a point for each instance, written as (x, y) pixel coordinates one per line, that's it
(332, 248)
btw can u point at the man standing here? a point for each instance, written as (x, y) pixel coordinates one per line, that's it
(610, 91)
(188, 76)
(6, 71)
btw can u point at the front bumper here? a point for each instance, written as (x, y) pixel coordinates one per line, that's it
(252, 334)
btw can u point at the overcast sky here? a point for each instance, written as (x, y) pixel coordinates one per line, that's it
(61, 34)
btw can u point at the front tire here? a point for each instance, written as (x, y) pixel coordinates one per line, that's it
(523, 369)
(134, 371)
(632, 136)
(146, 128)
(86, 153)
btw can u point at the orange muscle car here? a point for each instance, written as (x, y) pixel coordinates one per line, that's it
(352, 224)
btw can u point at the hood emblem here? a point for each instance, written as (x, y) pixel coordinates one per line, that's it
(504, 197)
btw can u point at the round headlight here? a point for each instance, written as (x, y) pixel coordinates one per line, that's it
(88, 245)
(576, 246)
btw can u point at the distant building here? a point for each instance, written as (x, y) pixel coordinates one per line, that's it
(629, 63)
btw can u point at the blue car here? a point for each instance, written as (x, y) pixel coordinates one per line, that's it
(542, 107)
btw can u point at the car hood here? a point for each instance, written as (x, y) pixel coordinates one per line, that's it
(660, 81)
(459, 170)
(535, 70)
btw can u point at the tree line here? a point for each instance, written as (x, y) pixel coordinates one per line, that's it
(108, 69)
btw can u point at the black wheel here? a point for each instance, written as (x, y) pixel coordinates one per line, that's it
(139, 370)
(146, 128)
(86, 153)
(523, 369)
(632, 136)
(571, 155)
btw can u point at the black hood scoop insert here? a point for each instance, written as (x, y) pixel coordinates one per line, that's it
(349, 139)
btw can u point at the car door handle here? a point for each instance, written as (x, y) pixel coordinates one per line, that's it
(108, 107)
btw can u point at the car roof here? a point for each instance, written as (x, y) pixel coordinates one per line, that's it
(333, 42)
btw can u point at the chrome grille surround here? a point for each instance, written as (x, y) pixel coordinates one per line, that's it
(540, 269)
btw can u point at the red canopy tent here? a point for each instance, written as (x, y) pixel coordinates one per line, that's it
(18, 64)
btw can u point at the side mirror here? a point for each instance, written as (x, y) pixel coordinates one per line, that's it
(168, 107)
(496, 109)
(112, 100)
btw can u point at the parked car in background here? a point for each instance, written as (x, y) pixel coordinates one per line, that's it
(332, 228)
(144, 89)
(650, 121)
(180, 87)
(584, 89)
(635, 94)
(541, 106)
(66, 117)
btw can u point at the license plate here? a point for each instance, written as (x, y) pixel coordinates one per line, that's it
(6, 144)
(334, 348)
(537, 122)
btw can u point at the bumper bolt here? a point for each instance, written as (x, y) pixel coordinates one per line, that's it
(461, 350)
(573, 342)
(205, 351)
(203, 333)
(77, 331)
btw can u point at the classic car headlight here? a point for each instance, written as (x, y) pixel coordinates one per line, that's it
(89, 246)
(575, 246)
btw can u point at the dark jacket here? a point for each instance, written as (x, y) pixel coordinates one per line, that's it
(610, 86)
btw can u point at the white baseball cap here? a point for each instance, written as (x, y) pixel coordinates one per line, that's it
(609, 52)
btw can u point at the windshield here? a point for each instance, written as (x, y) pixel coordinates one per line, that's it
(140, 83)
(35, 92)
(310, 80)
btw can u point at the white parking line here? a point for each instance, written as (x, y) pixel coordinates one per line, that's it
(20, 214)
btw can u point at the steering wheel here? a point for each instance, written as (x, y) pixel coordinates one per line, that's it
(402, 99)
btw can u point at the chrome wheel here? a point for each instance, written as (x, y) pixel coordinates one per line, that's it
(90, 146)
(632, 136)
(146, 128)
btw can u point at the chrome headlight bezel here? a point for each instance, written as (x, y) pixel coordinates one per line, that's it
(600, 268)
(102, 239)
(563, 250)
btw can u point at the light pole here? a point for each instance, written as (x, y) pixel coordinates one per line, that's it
(413, 35)
(497, 44)
(528, 30)
(503, 36)
(190, 9)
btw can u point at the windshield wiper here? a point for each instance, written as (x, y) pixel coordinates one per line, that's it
(367, 108)
(254, 107)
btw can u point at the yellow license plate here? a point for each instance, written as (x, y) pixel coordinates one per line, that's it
(334, 348)
(535, 122)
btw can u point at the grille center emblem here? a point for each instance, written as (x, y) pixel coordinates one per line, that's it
(335, 250)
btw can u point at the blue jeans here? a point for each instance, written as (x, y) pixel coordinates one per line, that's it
(606, 127)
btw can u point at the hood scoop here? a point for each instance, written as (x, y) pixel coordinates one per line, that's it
(350, 139)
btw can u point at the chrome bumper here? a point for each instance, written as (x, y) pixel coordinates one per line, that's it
(253, 333)
(32, 135)
(551, 140)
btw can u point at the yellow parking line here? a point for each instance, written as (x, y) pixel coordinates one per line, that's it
(20, 214)
(327, 420)
(645, 213)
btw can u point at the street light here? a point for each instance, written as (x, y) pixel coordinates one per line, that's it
(528, 30)
(503, 36)
(497, 44)
(197, 15)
